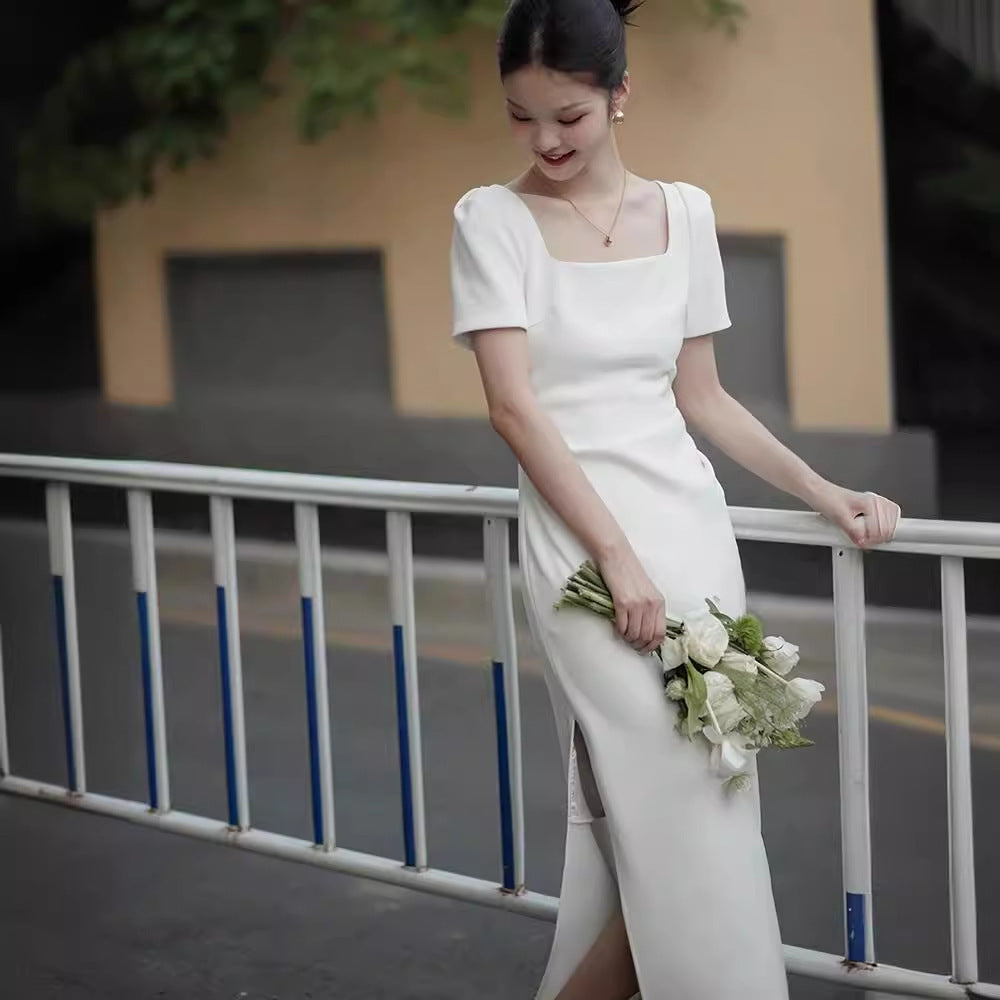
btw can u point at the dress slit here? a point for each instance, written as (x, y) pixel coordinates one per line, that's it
(585, 773)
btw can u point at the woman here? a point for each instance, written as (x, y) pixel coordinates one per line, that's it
(590, 297)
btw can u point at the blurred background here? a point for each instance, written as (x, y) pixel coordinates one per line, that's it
(225, 228)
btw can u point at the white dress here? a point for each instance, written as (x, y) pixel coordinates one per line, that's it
(650, 829)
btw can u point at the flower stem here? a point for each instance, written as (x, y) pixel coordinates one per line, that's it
(594, 597)
(591, 598)
(590, 573)
(767, 670)
(574, 599)
(712, 716)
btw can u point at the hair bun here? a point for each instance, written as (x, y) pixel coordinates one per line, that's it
(626, 8)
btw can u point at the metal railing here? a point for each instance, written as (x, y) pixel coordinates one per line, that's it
(952, 542)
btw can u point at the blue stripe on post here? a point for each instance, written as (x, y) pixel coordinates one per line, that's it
(503, 768)
(409, 845)
(227, 706)
(63, 647)
(307, 638)
(856, 927)
(147, 695)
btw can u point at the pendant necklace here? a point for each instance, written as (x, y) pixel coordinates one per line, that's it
(607, 235)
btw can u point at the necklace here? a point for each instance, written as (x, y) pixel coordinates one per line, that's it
(621, 200)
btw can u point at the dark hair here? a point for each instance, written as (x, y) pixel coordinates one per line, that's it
(571, 36)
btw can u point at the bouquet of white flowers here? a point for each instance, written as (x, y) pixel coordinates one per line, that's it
(730, 682)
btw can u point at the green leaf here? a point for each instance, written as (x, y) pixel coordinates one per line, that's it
(786, 739)
(718, 613)
(696, 699)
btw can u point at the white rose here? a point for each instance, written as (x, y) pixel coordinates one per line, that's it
(675, 689)
(779, 655)
(736, 660)
(706, 639)
(673, 652)
(731, 753)
(722, 698)
(802, 694)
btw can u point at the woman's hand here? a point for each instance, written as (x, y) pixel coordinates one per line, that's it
(640, 610)
(866, 518)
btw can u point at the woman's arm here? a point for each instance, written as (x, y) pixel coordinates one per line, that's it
(504, 366)
(866, 518)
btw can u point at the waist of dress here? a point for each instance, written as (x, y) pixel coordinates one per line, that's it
(617, 423)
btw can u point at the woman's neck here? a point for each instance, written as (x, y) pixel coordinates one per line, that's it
(599, 181)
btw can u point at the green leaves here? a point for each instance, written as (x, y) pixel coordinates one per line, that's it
(725, 14)
(748, 634)
(786, 739)
(696, 699)
(160, 91)
(745, 632)
(164, 89)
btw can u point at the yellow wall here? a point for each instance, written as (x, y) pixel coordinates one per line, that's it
(781, 126)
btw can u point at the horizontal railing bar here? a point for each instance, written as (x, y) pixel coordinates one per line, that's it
(798, 961)
(971, 540)
(921, 536)
(342, 491)
(879, 978)
(389, 870)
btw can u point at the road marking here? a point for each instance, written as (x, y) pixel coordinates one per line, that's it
(929, 724)
(905, 719)
(472, 655)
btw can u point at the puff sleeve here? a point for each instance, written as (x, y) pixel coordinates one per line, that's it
(488, 268)
(706, 308)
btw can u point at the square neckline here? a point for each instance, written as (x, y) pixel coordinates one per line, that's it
(662, 185)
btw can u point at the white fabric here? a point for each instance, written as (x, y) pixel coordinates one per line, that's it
(686, 862)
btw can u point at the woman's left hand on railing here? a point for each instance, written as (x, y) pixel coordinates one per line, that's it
(866, 518)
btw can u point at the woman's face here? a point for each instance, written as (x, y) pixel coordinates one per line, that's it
(561, 121)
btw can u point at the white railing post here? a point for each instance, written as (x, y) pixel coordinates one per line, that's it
(4, 747)
(506, 700)
(60, 527)
(140, 521)
(961, 862)
(411, 769)
(230, 660)
(314, 647)
(852, 726)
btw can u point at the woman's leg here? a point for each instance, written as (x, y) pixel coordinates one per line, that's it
(606, 971)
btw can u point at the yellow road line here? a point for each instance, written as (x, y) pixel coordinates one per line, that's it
(929, 724)
(472, 655)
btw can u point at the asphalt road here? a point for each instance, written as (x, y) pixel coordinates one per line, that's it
(96, 908)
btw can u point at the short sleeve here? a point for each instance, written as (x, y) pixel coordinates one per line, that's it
(707, 311)
(488, 268)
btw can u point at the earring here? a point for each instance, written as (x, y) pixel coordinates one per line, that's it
(618, 117)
